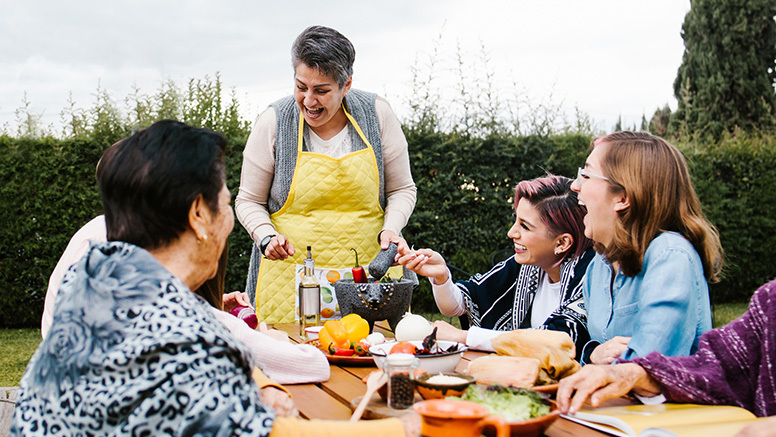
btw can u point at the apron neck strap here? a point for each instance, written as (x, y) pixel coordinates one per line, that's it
(300, 138)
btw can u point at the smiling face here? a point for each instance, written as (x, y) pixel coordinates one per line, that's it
(319, 98)
(602, 205)
(534, 245)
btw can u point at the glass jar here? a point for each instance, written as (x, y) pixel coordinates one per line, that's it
(400, 369)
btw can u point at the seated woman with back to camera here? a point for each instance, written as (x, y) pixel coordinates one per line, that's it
(132, 351)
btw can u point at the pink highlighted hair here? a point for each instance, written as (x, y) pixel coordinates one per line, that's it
(558, 208)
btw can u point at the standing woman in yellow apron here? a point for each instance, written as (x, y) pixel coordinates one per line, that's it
(327, 167)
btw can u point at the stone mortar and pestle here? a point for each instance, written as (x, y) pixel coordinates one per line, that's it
(376, 300)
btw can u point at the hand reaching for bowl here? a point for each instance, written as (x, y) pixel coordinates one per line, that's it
(446, 331)
(424, 262)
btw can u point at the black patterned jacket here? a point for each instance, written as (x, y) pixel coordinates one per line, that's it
(502, 298)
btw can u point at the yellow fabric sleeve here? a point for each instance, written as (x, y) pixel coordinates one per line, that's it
(263, 382)
(287, 426)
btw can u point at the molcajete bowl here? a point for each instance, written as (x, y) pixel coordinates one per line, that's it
(375, 301)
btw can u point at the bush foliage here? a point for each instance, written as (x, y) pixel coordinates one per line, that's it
(465, 163)
(464, 208)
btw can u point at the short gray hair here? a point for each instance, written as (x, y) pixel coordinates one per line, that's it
(327, 50)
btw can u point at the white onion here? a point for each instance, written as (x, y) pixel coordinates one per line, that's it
(412, 327)
(375, 338)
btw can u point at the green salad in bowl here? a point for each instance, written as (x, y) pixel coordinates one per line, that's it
(512, 404)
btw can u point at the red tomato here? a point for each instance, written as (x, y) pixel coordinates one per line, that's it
(403, 347)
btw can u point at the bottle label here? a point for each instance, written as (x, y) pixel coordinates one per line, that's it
(309, 300)
(328, 299)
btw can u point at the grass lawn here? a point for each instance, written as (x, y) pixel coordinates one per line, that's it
(18, 345)
(724, 313)
(16, 349)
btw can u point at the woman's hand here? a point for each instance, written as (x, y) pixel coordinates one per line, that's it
(279, 248)
(411, 422)
(424, 262)
(448, 332)
(601, 382)
(235, 299)
(761, 428)
(607, 352)
(274, 333)
(387, 236)
(279, 401)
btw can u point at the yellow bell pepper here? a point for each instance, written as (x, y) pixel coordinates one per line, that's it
(356, 327)
(335, 334)
(325, 339)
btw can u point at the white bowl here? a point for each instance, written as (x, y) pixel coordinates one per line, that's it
(441, 363)
(312, 332)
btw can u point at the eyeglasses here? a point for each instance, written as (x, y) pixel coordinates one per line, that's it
(583, 175)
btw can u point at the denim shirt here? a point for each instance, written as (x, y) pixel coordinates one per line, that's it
(664, 308)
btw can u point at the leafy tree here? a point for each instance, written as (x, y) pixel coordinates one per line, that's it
(29, 124)
(658, 125)
(75, 121)
(728, 68)
(168, 101)
(106, 119)
(139, 109)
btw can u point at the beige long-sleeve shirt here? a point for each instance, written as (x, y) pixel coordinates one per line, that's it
(259, 168)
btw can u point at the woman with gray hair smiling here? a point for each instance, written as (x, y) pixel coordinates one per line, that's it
(327, 167)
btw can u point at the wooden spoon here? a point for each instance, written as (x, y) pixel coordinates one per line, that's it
(374, 381)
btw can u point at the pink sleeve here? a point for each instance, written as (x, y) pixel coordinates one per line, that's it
(281, 361)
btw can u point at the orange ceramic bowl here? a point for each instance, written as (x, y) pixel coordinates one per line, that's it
(449, 418)
(453, 418)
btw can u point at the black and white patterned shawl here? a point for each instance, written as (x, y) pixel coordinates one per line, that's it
(133, 352)
(502, 298)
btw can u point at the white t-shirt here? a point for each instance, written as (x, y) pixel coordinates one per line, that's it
(546, 300)
(449, 300)
(336, 147)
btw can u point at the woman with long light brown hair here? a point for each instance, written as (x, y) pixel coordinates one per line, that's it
(647, 289)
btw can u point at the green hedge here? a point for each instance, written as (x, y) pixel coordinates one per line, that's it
(465, 188)
(736, 182)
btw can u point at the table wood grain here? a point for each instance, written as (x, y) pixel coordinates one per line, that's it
(331, 400)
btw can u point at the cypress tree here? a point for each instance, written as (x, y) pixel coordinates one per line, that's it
(726, 79)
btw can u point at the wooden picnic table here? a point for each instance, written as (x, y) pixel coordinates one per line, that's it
(331, 400)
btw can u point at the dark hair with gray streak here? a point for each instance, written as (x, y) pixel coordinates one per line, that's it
(327, 50)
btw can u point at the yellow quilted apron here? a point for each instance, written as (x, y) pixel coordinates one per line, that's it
(332, 205)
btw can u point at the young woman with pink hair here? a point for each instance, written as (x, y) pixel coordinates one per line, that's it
(539, 287)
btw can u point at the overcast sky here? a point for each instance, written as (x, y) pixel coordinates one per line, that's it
(607, 57)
